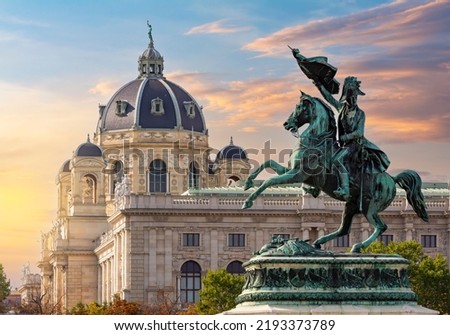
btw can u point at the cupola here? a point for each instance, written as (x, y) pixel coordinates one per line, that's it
(151, 63)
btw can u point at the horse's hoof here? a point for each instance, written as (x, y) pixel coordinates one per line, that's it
(248, 184)
(356, 248)
(247, 204)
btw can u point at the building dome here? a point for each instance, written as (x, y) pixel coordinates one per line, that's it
(232, 151)
(88, 149)
(65, 167)
(151, 101)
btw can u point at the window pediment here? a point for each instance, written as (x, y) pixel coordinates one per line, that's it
(157, 107)
(189, 106)
(122, 107)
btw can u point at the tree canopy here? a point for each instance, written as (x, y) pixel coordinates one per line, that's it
(219, 291)
(5, 285)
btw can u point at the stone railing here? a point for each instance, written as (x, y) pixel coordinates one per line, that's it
(264, 202)
(214, 202)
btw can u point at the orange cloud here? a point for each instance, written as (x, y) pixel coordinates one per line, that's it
(104, 88)
(398, 130)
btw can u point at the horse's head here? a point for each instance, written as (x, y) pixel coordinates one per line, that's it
(301, 115)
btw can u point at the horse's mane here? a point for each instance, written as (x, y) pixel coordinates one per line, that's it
(329, 112)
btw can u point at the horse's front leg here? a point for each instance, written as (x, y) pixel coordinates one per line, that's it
(279, 169)
(291, 176)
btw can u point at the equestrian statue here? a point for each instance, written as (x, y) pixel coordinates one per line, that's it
(336, 158)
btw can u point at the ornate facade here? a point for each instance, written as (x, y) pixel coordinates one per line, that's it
(142, 207)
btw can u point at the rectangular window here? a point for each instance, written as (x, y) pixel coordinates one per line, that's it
(158, 182)
(285, 237)
(386, 239)
(191, 240)
(342, 241)
(236, 240)
(428, 241)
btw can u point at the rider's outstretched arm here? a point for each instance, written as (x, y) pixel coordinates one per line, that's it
(327, 95)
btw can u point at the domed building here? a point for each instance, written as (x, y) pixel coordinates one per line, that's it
(143, 209)
(151, 139)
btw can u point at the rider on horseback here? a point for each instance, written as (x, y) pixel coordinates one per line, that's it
(354, 147)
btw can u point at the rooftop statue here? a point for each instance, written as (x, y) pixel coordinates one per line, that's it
(349, 168)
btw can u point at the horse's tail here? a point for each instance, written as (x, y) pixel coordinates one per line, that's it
(410, 181)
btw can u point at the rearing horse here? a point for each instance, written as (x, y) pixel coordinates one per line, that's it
(312, 163)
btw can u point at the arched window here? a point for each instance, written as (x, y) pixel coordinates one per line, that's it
(190, 282)
(89, 189)
(235, 268)
(118, 168)
(158, 176)
(117, 175)
(194, 175)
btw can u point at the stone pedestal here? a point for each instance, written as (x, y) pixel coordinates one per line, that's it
(326, 283)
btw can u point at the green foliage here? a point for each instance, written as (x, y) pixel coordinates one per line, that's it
(89, 309)
(5, 285)
(429, 277)
(219, 292)
(411, 250)
(431, 282)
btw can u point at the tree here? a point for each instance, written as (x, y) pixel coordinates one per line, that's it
(5, 285)
(89, 309)
(429, 277)
(123, 307)
(219, 291)
(39, 301)
(431, 282)
(162, 305)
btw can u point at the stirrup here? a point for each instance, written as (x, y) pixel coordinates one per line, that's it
(342, 193)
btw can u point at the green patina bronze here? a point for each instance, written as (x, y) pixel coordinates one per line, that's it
(344, 279)
(336, 158)
(332, 156)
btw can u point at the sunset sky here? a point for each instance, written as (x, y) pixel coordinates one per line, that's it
(60, 59)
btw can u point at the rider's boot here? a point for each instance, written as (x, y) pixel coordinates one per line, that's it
(344, 187)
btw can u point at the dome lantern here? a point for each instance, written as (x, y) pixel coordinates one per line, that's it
(151, 63)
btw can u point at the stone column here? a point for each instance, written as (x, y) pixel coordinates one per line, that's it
(152, 257)
(168, 264)
(117, 260)
(305, 233)
(126, 273)
(102, 283)
(213, 249)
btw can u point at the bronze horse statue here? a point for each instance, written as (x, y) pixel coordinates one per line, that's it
(312, 163)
